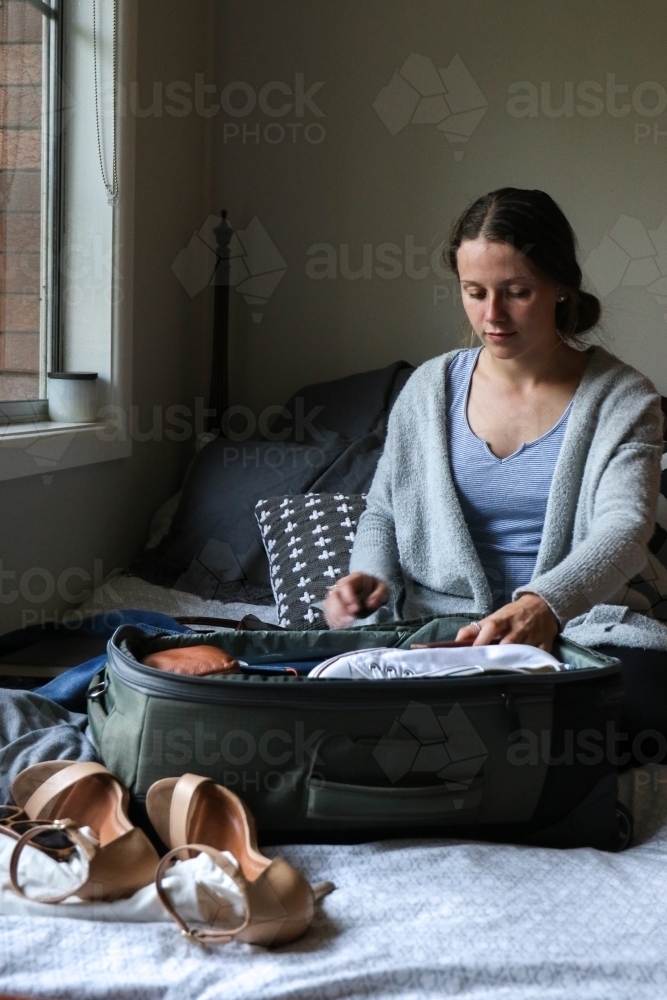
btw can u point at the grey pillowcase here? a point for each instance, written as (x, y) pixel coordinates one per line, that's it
(214, 547)
(333, 439)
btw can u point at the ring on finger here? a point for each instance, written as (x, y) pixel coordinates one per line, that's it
(477, 626)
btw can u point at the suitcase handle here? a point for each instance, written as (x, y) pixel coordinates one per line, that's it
(97, 715)
(363, 805)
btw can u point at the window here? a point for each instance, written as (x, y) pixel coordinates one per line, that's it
(66, 249)
(28, 200)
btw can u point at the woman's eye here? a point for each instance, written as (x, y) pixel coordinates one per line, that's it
(519, 293)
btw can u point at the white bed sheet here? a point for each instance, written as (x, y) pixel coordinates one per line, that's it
(408, 921)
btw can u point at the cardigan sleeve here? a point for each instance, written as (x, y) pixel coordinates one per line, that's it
(375, 550)
(614, 549)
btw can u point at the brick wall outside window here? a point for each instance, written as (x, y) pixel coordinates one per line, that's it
(20, 198)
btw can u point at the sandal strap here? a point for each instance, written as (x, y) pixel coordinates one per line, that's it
(72, 832)
(182, 804)
(49, 790)
(199, 935)
(14, 815)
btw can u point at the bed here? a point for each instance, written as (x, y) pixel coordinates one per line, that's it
(123, 592)
(409, 920)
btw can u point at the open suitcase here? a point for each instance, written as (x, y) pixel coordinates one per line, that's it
(514, 758)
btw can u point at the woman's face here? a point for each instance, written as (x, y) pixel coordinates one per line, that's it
(511, 307)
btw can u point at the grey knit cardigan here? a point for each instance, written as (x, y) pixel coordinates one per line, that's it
(600, 513)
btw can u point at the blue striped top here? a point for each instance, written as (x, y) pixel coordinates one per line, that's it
(504, 500)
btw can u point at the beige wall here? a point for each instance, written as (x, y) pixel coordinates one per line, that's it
(363, 185)
(98, 515)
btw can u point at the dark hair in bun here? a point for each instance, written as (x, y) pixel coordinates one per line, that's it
(532, 222)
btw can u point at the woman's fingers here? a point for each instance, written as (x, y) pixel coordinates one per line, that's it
(504, 625)
(333, 610)
(336, 610)
(347, 594)
(354, 596)
(362, 593)
(467, 633)
(488, 632)
(530, 621)
(378, 596)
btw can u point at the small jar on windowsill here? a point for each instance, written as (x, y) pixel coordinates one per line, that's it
(72, 397)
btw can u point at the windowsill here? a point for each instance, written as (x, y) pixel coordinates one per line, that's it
(45, 447)
(41, 427)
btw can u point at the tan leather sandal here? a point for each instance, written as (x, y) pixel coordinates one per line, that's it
(88, 804)
(192, 814)
(14, 823)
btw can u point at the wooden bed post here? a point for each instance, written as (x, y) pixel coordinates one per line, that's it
(218, 400)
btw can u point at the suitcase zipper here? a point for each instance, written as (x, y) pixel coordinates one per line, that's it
(299, 693)
(293, 692)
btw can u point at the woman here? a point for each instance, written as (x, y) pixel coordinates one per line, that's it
(520, 478)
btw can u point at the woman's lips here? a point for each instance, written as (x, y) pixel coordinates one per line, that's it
(499, 334)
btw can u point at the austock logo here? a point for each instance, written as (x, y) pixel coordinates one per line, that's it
(420, 94)
(447, 746)
(589, 99)
(629, 255)
(252, 263)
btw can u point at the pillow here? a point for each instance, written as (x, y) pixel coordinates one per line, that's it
(350, 406)
(308, 539)
(328, 438)
(213, 547)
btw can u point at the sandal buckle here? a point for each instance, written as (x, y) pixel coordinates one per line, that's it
(192, 936)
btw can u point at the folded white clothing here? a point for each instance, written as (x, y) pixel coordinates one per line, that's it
(201, 891)
(384, 663)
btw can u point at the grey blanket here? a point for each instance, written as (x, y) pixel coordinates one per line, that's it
(409, 920)
(34, 729)
(615, 625)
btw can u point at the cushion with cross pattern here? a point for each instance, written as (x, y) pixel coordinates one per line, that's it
(308, 539)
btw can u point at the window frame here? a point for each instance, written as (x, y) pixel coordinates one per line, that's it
(30, 444)
(50, 334)
(28, 410)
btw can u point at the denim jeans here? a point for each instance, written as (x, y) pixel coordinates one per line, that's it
(69, 689)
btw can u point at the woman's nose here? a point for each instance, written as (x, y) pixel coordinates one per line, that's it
(495, 306)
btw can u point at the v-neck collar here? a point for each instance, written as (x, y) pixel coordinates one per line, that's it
(526, 444)
(547, 555)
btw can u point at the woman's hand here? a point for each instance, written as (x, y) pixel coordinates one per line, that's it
(529, 620)
(356, 595)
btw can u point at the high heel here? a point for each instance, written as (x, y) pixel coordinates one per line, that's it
(88, 804)
(192, 813)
